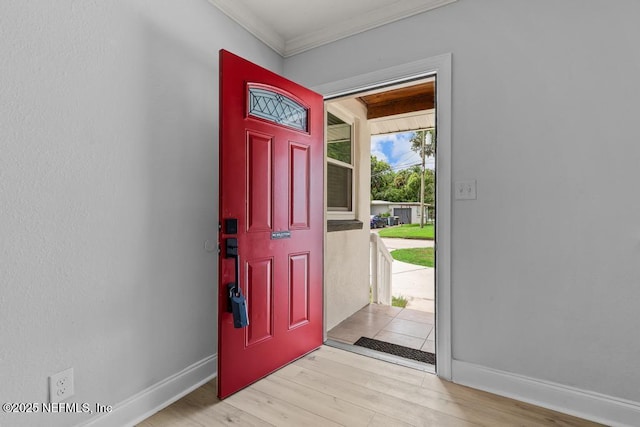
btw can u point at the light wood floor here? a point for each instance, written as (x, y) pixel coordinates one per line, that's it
(332, 387)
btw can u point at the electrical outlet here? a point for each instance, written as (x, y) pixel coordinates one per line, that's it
(61, 386)
(466, 190)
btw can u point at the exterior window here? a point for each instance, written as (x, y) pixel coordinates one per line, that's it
(339, 166)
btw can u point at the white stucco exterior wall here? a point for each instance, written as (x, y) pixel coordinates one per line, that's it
(347, 252)
(108, 192)
(545, 267)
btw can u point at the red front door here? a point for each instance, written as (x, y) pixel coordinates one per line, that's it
(271, 182)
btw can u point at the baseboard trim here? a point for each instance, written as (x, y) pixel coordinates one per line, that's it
(569, 400)
(160, 395)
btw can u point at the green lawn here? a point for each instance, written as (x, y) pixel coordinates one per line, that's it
(409, 231)
(418, 256)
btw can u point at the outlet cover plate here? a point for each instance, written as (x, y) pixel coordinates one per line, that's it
(466, 190)
(61, 386)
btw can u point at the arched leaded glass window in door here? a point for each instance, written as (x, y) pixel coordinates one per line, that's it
(267, 104)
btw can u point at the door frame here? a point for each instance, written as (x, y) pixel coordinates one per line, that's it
(441, 67)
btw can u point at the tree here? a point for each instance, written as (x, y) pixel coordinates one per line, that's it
(430, 143)
(412, 189)
(381, 176)
(391, 195)
(423, 143)
(408, 180)
(401, 186)
(400, 180)
(429, 187)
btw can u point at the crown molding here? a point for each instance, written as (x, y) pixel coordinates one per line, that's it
(350, 26)
(247, 19)
(361, 23)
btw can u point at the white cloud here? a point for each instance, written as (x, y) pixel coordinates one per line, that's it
(395, 149)
(377, 148)
(402, 154)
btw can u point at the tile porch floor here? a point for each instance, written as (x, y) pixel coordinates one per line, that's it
(406, 327)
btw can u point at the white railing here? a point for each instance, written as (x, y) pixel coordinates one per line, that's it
(381, 266)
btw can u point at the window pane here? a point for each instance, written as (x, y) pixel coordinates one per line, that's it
(338, 139)
(340, 151)
(338, 188)
(277, 108)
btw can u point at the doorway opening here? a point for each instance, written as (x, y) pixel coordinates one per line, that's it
(393, 180)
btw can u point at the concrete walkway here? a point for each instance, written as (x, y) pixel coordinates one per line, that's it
(392, 244)
(413, 282)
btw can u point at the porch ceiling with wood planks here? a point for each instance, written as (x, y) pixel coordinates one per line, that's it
(403, 109)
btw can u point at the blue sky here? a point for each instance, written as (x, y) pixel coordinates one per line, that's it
(395, 149)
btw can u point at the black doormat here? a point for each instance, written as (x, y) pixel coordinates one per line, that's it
(398, 350)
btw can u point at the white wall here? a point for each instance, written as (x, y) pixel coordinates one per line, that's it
(346, 274)
(346, 265)
(379, 209)
(545, 267)
(108, 191)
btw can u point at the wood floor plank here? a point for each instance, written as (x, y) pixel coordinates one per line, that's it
(275, 410)
(372, 399)
(332, 387)
(202, 408)
(375, 366)
(169, 417)
(415, 394)
(501, 411)
(380, 420)
(226, 415)
(337, 410)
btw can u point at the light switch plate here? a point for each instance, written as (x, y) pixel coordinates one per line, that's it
(466, 190)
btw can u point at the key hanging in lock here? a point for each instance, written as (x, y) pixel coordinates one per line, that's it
(238, 308)
(237, 301)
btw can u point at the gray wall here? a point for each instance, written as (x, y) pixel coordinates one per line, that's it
(108, 186)
(545, 271)
(108, 191)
